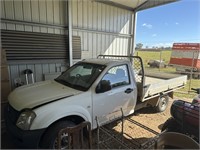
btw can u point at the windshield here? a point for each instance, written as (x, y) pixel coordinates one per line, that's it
(80, 76)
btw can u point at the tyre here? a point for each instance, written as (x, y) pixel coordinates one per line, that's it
(171, 126)
(50, 141)
(163, 103)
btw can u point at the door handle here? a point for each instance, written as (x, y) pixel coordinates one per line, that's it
(129, 90)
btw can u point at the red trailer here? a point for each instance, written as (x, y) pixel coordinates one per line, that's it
(185, 57)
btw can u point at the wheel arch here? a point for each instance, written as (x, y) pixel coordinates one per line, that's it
(73, 118)
(49, 115)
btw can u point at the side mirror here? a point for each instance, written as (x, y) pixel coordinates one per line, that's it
(103, 86)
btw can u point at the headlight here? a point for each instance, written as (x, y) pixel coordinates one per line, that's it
(25, 119)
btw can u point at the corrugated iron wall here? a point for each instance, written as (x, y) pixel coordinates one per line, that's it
(104, 29)
(47, 16)
(42, 16)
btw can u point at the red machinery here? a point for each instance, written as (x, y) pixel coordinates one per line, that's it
(186, 56)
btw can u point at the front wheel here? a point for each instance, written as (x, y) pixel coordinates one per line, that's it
(50, 141)
(162, 103)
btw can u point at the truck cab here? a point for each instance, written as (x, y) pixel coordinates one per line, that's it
(89, 89)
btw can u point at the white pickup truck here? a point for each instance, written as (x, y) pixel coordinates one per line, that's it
(94, 88)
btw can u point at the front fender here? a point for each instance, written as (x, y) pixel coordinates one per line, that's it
(47, 116)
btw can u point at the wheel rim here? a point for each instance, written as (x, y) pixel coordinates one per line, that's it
(64, 142)
(163, 102)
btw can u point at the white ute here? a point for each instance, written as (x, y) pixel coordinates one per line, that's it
(94, 88)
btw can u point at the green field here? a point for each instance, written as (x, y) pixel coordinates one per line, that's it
(165, 56)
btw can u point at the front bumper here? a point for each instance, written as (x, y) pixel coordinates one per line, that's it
(23, 138)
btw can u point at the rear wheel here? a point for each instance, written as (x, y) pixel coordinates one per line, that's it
(163, 103)
(50, 141)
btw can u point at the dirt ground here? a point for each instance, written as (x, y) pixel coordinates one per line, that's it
(144, 125)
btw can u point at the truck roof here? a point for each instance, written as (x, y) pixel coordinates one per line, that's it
(106, 62)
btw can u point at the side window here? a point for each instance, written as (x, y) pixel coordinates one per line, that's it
(117, 76)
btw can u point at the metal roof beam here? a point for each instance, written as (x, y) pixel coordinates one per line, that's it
(145, 5)
(154, 3)
(141, 5)
(111, 3)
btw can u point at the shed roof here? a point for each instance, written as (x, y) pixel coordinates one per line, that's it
(136, 5)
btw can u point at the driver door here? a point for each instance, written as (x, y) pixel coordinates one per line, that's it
(107, 105)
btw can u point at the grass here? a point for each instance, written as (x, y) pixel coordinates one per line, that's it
(165, 56)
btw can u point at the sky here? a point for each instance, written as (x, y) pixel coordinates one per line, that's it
(173, 22)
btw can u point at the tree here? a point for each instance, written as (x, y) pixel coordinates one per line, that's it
(139, 46)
